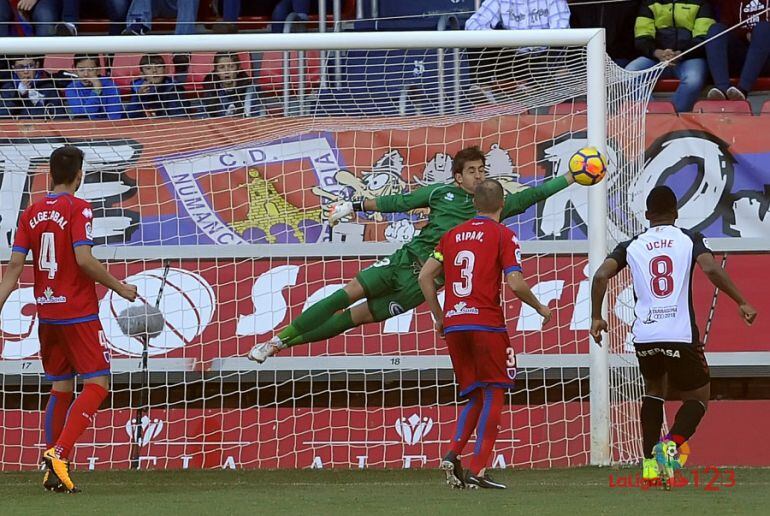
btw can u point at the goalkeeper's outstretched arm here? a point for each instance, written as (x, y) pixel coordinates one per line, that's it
(399, 203)
(519, 202)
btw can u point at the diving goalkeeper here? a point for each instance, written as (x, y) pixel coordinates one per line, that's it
(390, 285)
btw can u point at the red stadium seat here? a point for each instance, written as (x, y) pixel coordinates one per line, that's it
(57, 62)
(766, 107)
(660, 106)
(667, 85)
(723, 106)
(125, 68)
(567, 108)
(271, 71)
(202, 63)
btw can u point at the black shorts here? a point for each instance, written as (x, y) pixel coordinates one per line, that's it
(685, 363)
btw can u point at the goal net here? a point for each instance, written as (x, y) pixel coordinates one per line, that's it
(218, 156)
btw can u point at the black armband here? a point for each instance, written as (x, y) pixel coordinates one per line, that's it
(358, 205)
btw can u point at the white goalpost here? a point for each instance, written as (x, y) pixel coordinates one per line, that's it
(227, 176)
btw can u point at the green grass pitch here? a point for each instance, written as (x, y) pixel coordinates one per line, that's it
(566, 492)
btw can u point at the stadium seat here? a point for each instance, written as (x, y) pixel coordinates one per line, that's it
(270, 71)
(392, 82)
(57, 62)
(765, 107)
(667, 85)
(660, 106)
(722, 106)
(410, 15)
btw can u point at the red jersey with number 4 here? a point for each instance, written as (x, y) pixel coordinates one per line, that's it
(475, 254)
(52, 228)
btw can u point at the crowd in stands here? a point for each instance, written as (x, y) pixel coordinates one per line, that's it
(640, 34)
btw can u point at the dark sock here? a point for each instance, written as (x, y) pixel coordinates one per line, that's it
(652, 419)
(686, 421)
(315, 316)
(333, 326)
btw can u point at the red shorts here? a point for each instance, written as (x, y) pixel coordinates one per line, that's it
(481, 359)
(68, 350)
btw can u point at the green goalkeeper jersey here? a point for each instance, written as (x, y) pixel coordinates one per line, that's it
(450, 206)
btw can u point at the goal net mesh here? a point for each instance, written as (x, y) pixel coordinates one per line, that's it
(223, 163)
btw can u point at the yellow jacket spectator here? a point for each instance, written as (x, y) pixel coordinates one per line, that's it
(668, 24)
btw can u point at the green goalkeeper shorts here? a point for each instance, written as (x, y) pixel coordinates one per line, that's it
(391, 285)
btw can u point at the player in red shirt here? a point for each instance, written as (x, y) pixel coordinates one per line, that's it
(57, 229)
(473, 256)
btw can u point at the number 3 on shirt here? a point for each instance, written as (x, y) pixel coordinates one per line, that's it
(466, 260)
(47, 260)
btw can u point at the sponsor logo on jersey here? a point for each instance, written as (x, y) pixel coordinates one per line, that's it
(48, 298)
(449, 196)
(88, 213)
(660, 313)
(395, 308)
(673, 353)
(414, 429)
(89, 231)
(462, 308)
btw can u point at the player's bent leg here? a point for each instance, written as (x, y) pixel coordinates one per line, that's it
(319, 312)
(323, 313)
(335, 325)
(689, 415)
(80, 417)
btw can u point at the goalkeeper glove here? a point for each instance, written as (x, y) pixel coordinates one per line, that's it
(343, 209)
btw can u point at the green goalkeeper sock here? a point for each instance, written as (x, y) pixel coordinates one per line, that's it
(315, 316)
(335, 325)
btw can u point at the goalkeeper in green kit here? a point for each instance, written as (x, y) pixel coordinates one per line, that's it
(390, 285)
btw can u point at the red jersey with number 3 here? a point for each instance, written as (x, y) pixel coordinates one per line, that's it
(475, 254)
(52, 228)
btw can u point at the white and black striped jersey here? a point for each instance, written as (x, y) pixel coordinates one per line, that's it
(662, 260)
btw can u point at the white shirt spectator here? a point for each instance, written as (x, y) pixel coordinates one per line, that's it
(520, 15)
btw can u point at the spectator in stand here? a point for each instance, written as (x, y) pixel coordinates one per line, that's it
(743, 51)
(660, 41)
(506, 68)
(30, 93)
(155, 94)
(70, 16)
(141, 12)
(90, 95)
(42, 14)
(616, 18)
(285, 7)
(231, 11)
(228, 91)
(6, 19)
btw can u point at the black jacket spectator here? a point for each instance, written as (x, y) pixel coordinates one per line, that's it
(226, 88)
(30, 93)
(156, 100)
